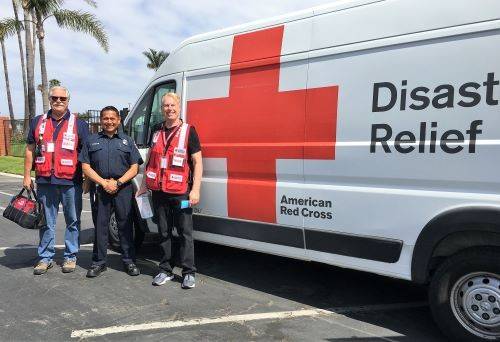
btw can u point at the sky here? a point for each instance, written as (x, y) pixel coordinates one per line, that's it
(95, 78)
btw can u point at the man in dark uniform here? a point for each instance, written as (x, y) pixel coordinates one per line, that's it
(110, 159)
(173, 174)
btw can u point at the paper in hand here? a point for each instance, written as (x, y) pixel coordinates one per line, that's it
(144, 206)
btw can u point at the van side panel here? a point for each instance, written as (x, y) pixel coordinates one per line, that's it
(417, 133)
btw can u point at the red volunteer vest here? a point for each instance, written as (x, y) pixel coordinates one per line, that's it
(59, 157)
(168, 167)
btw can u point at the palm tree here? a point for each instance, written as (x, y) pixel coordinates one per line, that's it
(74, 20)
(14, 25)
(30, 65)
(155, 58)
(52, 83)
(4, 33)
(23, 65)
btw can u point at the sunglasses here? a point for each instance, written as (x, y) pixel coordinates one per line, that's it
(56, 98)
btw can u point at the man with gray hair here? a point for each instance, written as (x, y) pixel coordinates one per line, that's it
(53, 144)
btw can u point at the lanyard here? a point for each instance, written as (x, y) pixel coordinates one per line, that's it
(170, 137)
(71, 124)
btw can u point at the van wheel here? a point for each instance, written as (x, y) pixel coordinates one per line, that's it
(464, 295)
(114, 238)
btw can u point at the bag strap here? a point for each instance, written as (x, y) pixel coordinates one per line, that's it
(33, 192)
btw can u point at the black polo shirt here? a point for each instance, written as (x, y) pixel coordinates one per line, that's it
(110, 157)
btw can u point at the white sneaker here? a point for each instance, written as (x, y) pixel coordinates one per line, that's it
(162, 277)
(188, 282)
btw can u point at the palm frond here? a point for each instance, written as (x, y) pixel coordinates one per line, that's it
(83, 22)
(91, 3)
(9, 27)
(155, 58)
(44, 7)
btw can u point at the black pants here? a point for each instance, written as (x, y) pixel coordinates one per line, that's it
(93, 203)
(121, 203)
(167, 207)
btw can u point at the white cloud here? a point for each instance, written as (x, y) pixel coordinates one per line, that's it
(97, 79)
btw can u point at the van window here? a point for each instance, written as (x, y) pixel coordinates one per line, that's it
(156, 114)
(148, 113)
(137, 126)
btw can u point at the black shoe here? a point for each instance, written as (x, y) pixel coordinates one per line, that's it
(95, 271)
(132, 269)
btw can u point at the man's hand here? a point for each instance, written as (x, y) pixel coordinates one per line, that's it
(194, 197)
(27, 183)
(109, 186)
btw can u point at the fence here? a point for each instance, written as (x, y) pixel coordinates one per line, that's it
(13, 132)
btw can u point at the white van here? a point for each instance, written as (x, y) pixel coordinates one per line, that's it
(362, 134)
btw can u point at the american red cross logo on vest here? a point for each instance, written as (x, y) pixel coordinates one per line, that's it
(257, 124)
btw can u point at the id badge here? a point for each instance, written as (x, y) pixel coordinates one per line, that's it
(40, 160)
(50, 147)
(68, 142)
(163, 162)
(67, 162)
(178, 161)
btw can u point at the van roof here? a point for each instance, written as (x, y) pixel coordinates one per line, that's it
(259, 24)
(276, 20)
(356, 21)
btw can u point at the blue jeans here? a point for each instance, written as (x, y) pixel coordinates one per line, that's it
(71, 198)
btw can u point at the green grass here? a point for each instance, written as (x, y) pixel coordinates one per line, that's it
(17, 149)
(10, 164)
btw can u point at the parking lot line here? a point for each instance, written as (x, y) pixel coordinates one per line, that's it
(35, 247)
(89, 333)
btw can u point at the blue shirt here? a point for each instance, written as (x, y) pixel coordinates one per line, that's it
(110, 157)
(82, 131)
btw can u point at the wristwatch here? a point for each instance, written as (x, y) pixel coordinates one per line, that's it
(118, 183)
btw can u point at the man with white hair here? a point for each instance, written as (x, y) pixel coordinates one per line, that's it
(53, 144)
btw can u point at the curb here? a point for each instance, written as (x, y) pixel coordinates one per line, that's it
(11, 175)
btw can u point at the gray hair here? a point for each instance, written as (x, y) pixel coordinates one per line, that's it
(51, 90)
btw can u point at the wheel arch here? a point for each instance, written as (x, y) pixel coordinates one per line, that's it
(452, 231)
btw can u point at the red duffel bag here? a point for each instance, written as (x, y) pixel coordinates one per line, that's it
(26, 211)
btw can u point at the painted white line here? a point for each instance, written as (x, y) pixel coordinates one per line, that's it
(194, 322)
(35, 247)
(83, 211)
(8, 194)
(335, 312)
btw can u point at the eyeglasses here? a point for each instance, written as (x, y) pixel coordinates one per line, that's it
(56, 98)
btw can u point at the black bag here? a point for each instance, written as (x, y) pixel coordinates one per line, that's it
(25, 211)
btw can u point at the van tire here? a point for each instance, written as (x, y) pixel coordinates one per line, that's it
(453, 294)
(114, 238)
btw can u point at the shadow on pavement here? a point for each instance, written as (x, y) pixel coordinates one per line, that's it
(320, 286)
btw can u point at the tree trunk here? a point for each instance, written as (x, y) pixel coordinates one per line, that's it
(23, 65)
(7, 84)
(30, 69)
(43, 66)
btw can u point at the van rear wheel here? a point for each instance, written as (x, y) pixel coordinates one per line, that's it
(464, 295)
(114, 237)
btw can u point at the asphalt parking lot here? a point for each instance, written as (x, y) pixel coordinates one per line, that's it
(239, 295)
